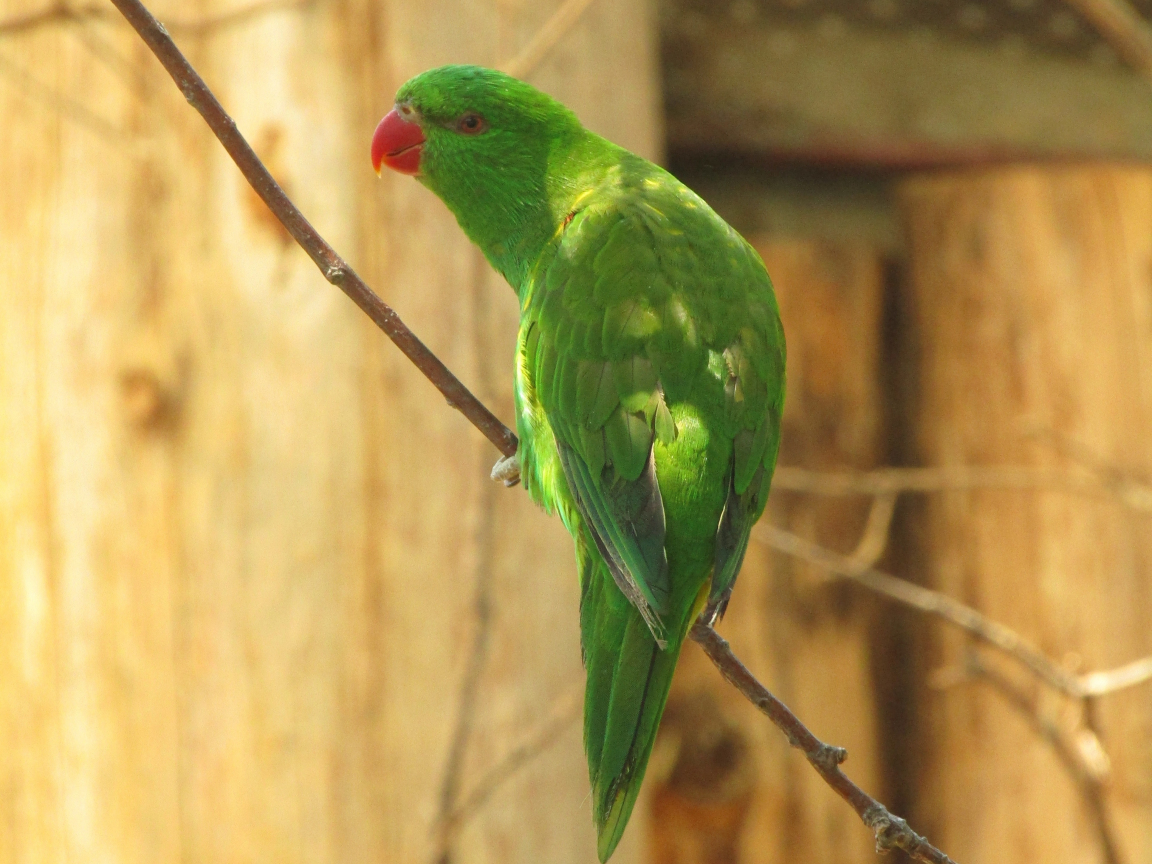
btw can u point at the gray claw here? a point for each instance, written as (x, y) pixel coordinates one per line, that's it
(507, 470)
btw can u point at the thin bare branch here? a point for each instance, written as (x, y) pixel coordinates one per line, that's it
(470, 684)
(858, 568)
(1084, 773)
(57, 13)
(887, 481)
(891, 831)
(562, 713)
(335, 269)
(545, 39)
(210, 24)
(925, 600)
(68, 108)
(1133, 490)
(874, 540)
(1123, 27)
(1109, 681)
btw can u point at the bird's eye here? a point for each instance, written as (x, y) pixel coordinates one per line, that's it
(471, 124)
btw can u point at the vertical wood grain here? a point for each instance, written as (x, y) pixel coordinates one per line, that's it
(1031, 299)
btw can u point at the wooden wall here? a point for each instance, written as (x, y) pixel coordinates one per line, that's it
(1030, 324)
(245, 550)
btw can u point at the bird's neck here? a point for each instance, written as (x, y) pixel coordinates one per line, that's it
(516, 214)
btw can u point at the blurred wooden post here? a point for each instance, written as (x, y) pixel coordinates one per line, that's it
(1030, 299)
(727, 787)
(244, 547)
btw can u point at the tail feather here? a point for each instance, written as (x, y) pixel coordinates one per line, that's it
(630, 731)
(628, 681)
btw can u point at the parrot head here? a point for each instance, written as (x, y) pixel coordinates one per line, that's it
(486, 143)
(464, 115)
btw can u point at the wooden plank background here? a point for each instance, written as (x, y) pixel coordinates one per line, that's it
(242, 542)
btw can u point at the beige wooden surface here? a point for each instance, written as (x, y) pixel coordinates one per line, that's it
(727, 782)
(241, 541)
(1031, 318)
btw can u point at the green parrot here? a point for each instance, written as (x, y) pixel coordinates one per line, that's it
(649, 378)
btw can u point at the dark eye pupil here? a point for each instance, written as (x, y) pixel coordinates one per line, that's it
(470, 123)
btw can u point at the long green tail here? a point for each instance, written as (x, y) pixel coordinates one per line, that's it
(627, 687)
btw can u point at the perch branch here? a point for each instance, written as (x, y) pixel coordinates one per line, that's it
(334, 268)
(891, 832)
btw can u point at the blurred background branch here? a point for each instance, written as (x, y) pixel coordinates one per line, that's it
(1123, 27)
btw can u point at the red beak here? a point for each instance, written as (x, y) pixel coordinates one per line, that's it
(397, 143)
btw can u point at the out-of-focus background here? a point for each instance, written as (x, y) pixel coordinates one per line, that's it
(259, 600)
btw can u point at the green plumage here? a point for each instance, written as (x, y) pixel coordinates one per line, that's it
(649, 384)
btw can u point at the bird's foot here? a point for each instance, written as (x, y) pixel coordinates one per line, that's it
(507, 470)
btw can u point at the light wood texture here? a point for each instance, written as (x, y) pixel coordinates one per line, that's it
(1030, 319)
(241, 540)
(897, 94)
(729, 789)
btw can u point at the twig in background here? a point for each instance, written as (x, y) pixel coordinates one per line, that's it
(927, 601)
(930, 602)
(545, 39)
(1086, 773)
(470, 684)
(212, 23)
(874, 540)
(1122, 27)
(563, 712)
(1120, 678)
(889, 481)
(1134, 491)
(67, 107)
(891, 832)
(54, 14)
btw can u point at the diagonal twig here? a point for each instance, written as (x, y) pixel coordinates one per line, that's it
(891, 831)
(53, 14)
(1120, 678)
(927, 601)
(874, 540)
(890, 481)
(563, 712)
(233, 17)
(1087, 778)
(545, 39)
(858, 568)
(1122, 27)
